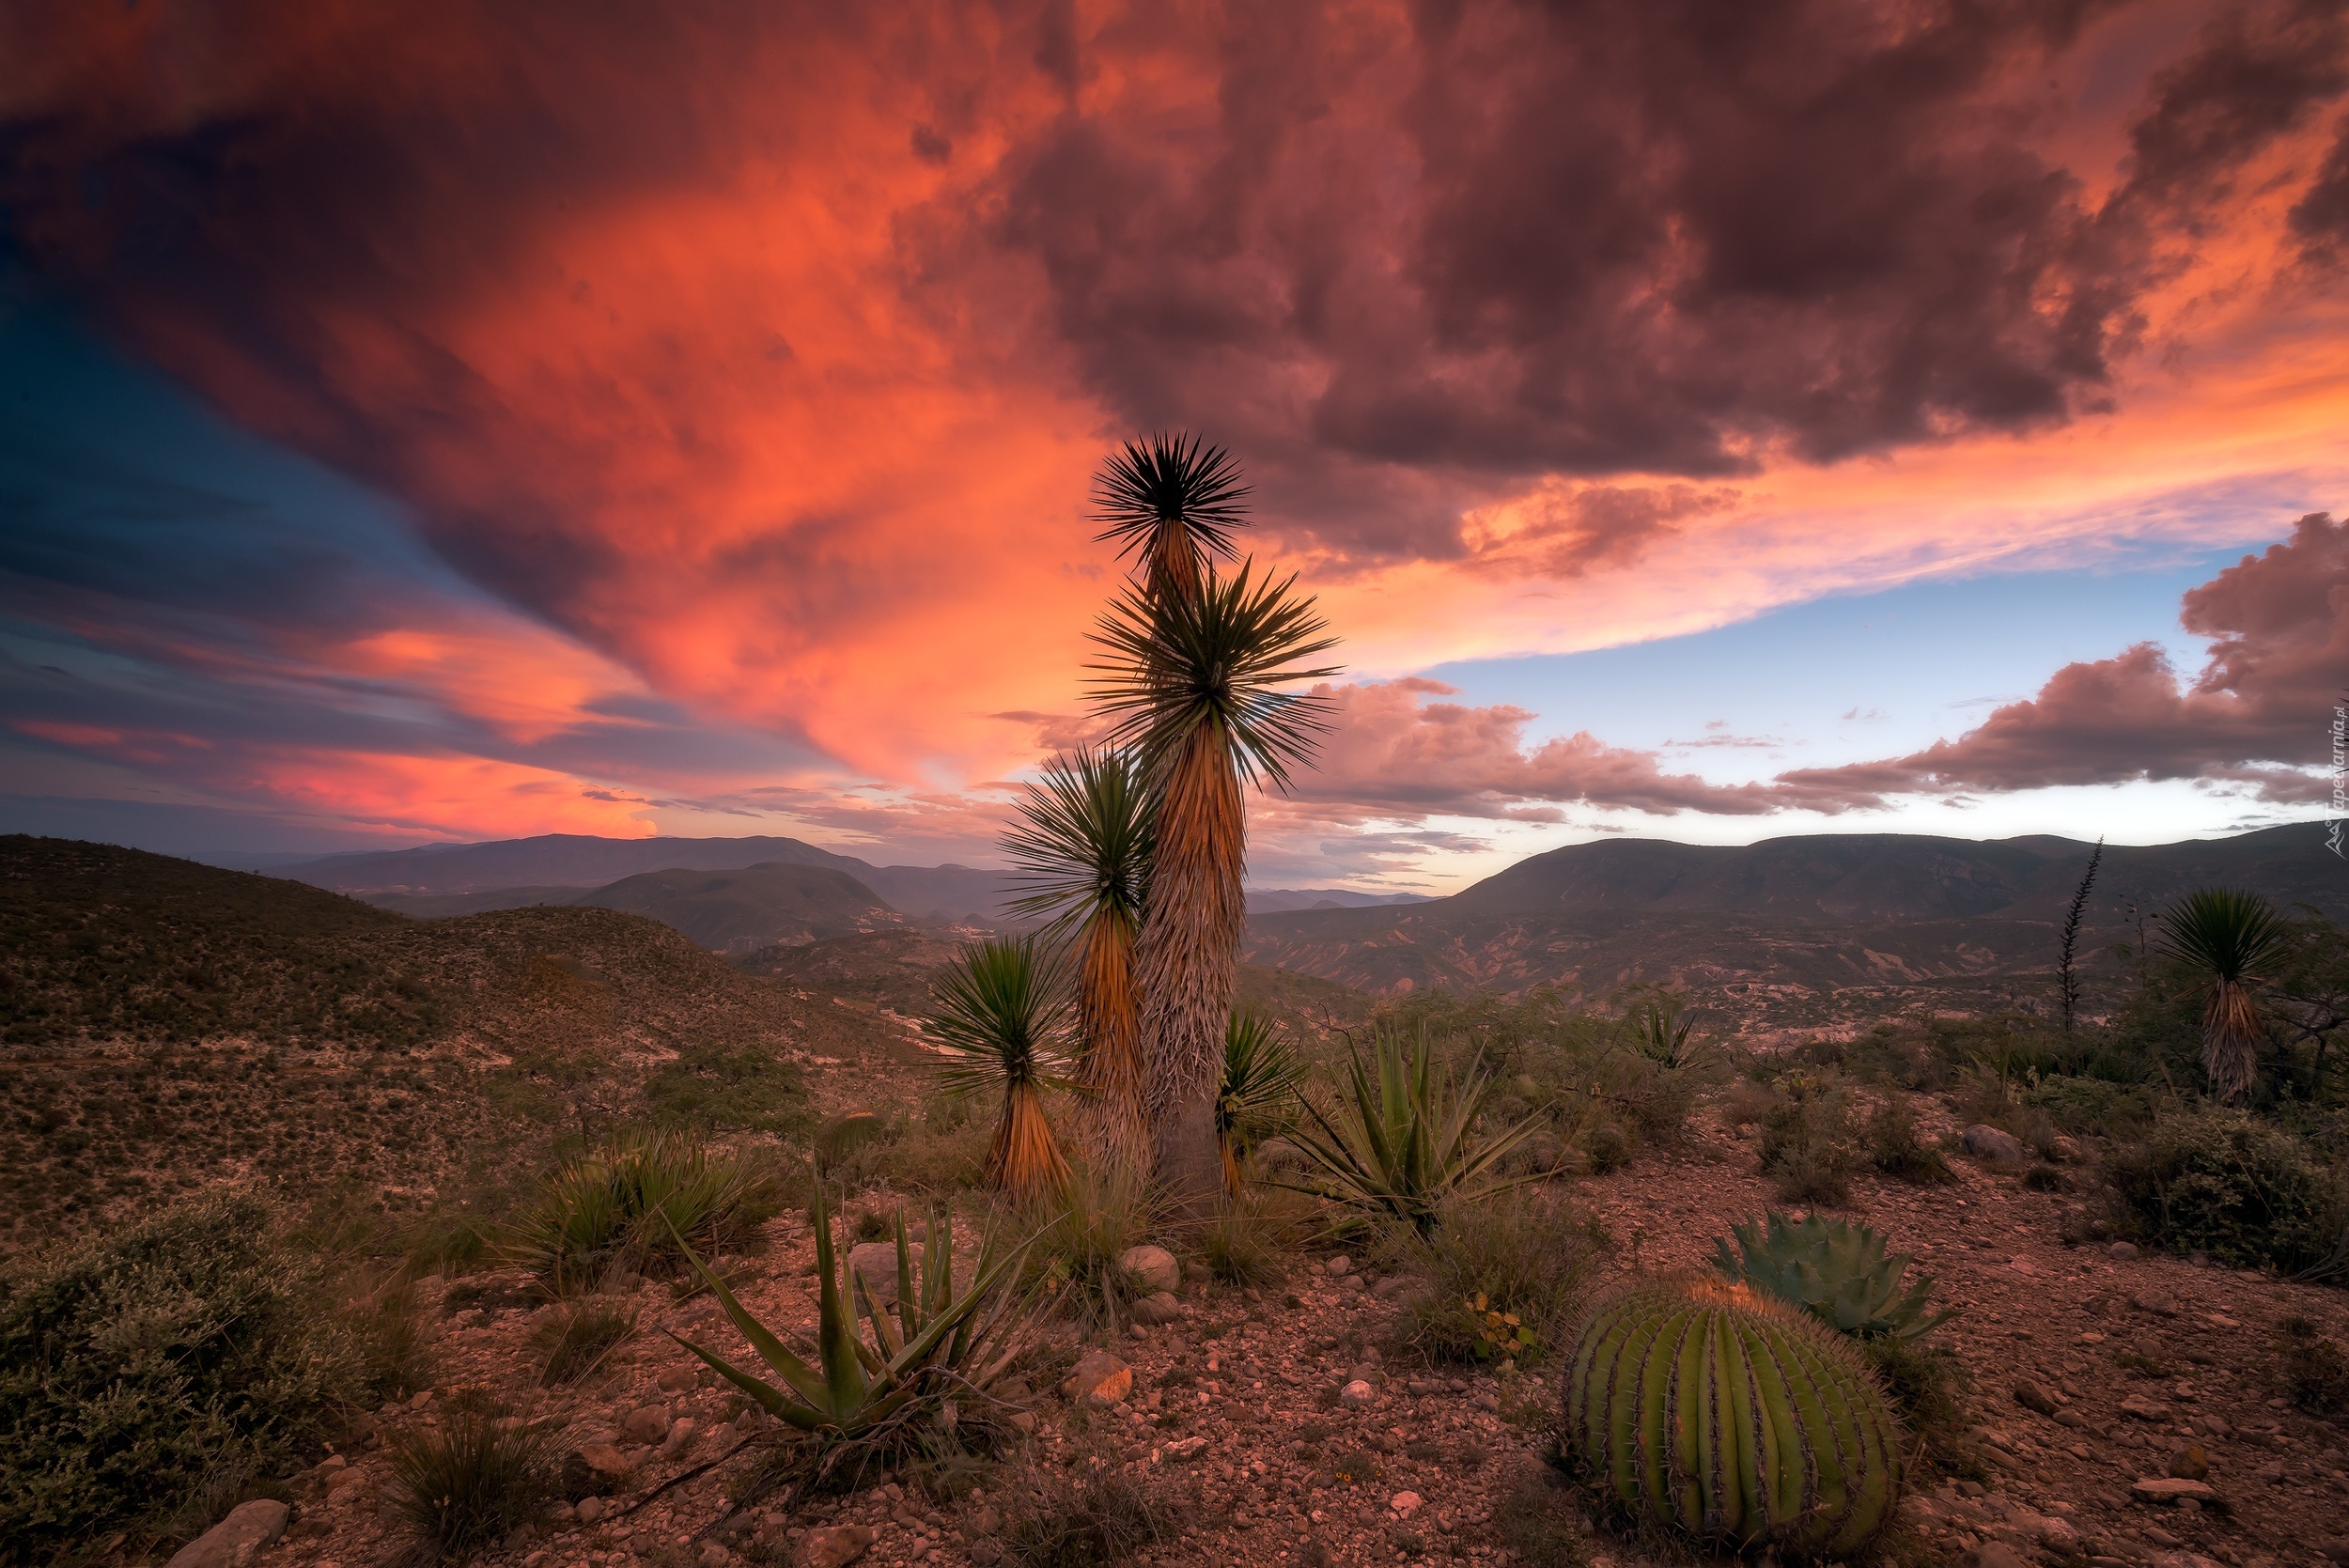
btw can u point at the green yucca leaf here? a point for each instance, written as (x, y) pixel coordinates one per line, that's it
(1000, 1015)
(2229, 936)
(1081, 850)
(1170, 491)
(1217, 659)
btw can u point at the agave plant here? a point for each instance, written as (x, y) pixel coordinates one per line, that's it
(1402, 1137)
(866, 1402)
(1257, 1098)
(1664, 1034)
(2229, 938)
(1000, 1018)
(1834, 1270)
(1196, 681)
(1083, 853)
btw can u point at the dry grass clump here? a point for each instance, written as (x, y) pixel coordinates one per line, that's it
(1808, 1143)
(1523, 1254)
(1899, 1150)
(460, 1488)
(580, 1334)
(1089, 1515)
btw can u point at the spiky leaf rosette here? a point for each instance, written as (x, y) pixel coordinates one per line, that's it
(1836, 1271)
(1081, 849)
(1258, 1094)
(1724, 1412)
(1002, 1017)
(1175, 503)
(2228, 937)
(1197, 686)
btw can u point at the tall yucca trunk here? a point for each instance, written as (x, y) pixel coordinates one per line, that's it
(2231, 1034)
(1187, 962)
(1024, 1162)
(1109, 1072)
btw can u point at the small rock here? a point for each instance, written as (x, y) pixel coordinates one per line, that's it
(2213, 1427)
(1100, 1378)
(1358, 1393)
(647, 1425)
(2123, 1251)
(590, 1510)
(835, 1546)
(986, 1553)
(680, 1437)
(678, 1379)
(2160, 1303)
(2030, 1396)
(876, 1263)
(2334, 1550)
(2271, 1472)
(594, 1469)
(1158, 1308)
(1339, 1267)
(1151, 1268)
(1184, 1447)
(2182, 1559)
(1984, 1141)
(1405, 1503)
(2072, 1418)
(1390, 1287)
(2172, 1489)
(2144, 1409)
(236, 1539)
(1998, 1554)
(424, 1397)
(2190, 1463)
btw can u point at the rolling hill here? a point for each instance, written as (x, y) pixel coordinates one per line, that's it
(760, 905)
(165, 1024)
(1791, 932)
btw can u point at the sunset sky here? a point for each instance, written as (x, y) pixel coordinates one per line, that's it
(444, 421)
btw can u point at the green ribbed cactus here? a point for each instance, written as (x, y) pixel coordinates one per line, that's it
(1713, 1407)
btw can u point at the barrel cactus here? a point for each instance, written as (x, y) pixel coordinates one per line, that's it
(1710, 1406)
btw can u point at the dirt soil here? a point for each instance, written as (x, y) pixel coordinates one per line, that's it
(1235, 1410)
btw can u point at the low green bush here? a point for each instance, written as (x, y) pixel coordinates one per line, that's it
(1809, 1146)
(140, 1370)
(1899, 1150)
(718, 1088)
(1524, 1253)
(459, 1487)
(625, 1204)
(2208, 1179)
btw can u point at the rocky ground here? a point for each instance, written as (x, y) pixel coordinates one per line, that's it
(2129, 1406)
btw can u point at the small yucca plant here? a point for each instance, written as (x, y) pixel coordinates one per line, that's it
(1258, 1098)
(617, 1206)
(1002, 1017)
(1664, 1034)
(1402, 1137)
(2229, 938)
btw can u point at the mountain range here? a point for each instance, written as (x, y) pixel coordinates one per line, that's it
(1794, 932)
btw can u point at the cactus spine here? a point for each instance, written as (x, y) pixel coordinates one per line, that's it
(1711, 1406)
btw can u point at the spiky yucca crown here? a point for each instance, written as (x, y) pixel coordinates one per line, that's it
(1706, 1404)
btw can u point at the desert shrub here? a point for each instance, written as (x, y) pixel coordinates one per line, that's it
(625, 1204)
(1089, 1515)
(1984, 1095)
(580, 1334)
(1899, 1150)
(1606, 1148)
(2223, 1182)
(461, 1488)
(1525, 1255)
(2097, 1107)
(1100, 1217)
(1540, 1521)
(1933, 1391)
(1653, 1100)
(1807, 1146)
(1747, 1102)
(138, 1368)
(2315, 1373)
(1241, 1246)
(387, 1326)
(718, 1088)
(938, 1152)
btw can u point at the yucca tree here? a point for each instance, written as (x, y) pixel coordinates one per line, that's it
(2229, 938)
(1001, 1016)
(1082, 847)
(1257, 1096)
(1196, 685)
(1173, 503)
